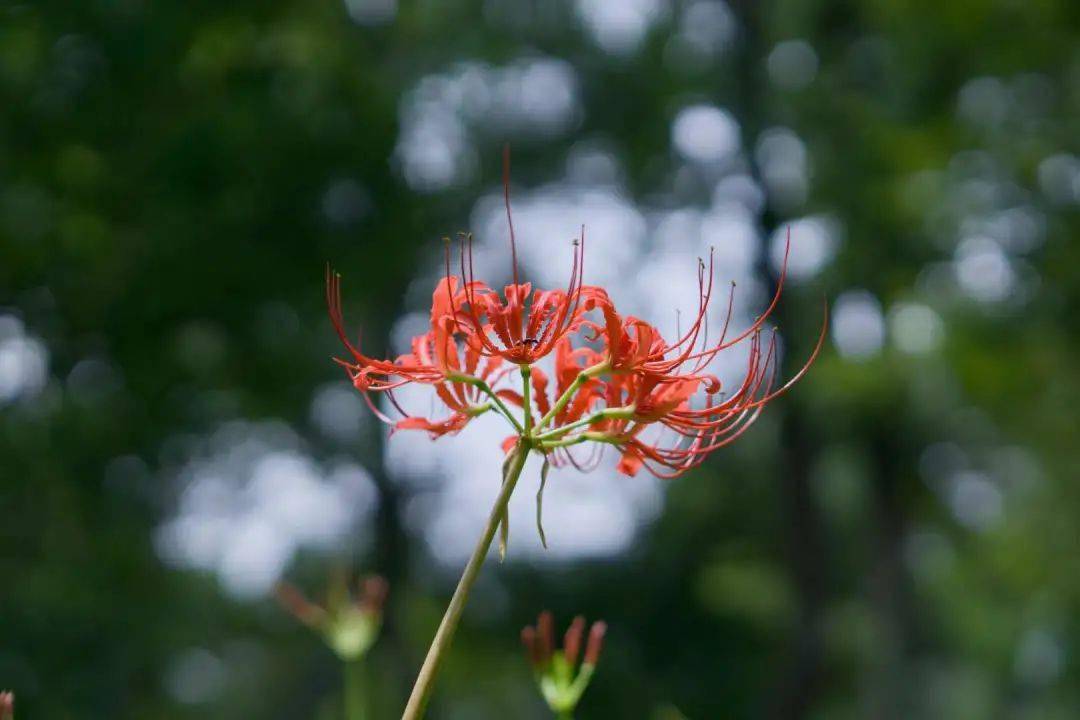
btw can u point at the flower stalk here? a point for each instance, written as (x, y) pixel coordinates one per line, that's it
(349, 625)
(421, 692)
(357, 691)
(564, 399)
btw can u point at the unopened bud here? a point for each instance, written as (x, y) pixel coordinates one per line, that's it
(7, 705)
(560, 680)
(348, 624)
(299, 606)
(545, 630)
(373, 592)
(596, 642)
(532, 649)
(572, 640)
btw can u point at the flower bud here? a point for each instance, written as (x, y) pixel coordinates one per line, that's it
(373, 592)
(560, 680)
(532, 649)
(349, 625)
(545, 630)
(572, 640)
(596, 642)
(299, 606)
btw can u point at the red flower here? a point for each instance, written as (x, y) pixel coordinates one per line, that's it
(630, 341)
(616, 380)
(435, 360)
(655, 425)
(514, 326)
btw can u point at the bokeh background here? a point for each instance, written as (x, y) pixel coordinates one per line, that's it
(896, 538)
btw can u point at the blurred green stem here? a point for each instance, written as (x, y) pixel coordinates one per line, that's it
(425, 681)
(357, 691)
(565, 715)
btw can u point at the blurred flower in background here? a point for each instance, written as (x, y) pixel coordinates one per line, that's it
(348, 623)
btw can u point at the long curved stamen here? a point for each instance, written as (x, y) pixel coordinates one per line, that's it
(469, 278)
(376, 411)
(702, 363)
(337, 319)
(704, 357)
(704, 298)
(449, 286)
(579, 257)
(806, 366)
(509, 218)
(558, 327)
(768, 311)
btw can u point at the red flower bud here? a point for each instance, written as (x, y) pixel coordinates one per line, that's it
(299, 606)
(373, 592)
(572, 640)
(545, 630)
(532, 649)
(596, 642)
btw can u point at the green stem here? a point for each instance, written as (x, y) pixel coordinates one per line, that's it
(425, 681)
(624, 413)
(580, 380)
(578, 439)
(486, 389)
(565, 715)
(526, 399)
(357, 691)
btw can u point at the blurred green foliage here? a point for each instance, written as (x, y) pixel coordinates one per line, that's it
(163, 169)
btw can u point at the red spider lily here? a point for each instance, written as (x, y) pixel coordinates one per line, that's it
(464, 399)
(436, 360)
(370, 374)
(634, 345)
(515, 327)
(616, 380)
(630, 341)
(635, 390)
(568, 371)
(651, 418)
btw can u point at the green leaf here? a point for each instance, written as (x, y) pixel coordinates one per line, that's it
(540, 502)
